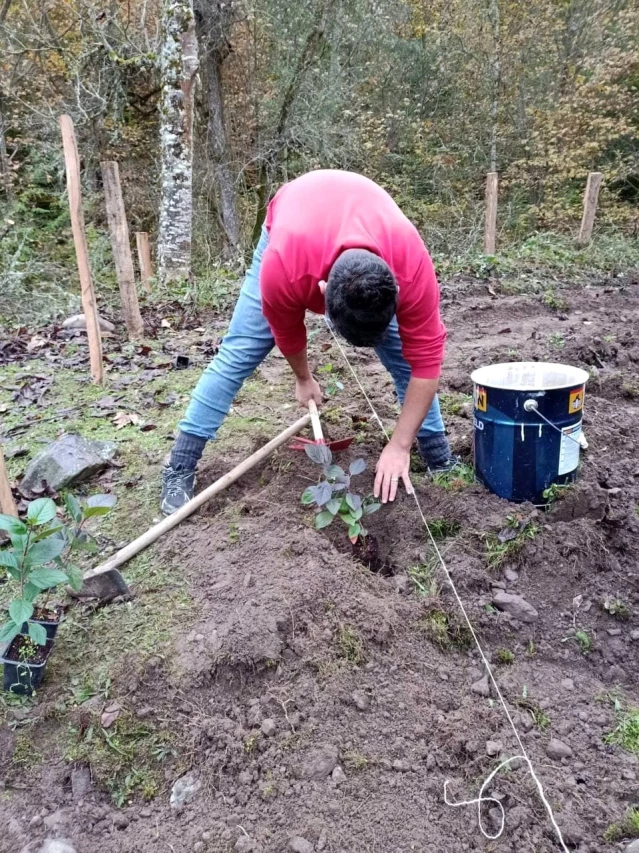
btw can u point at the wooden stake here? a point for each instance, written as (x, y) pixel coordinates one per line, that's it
(119, 231)
(144, 257)
(7, 504)
(490, 222)
(72, 165)
(591, 196)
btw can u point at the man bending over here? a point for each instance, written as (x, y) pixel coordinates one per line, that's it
(333, 243)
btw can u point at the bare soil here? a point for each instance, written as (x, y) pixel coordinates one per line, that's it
(358, 671)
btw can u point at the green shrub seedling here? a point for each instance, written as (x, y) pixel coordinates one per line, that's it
(333, 494)
(41, 555)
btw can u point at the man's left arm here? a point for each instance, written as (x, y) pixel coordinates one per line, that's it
(423, 336)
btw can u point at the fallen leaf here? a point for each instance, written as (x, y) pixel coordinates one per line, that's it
(36, 342)
(491, 290)
(165, 324)
(148, 427)
(110, 715)
(123, 419)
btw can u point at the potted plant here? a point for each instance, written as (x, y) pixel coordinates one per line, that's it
(334, 497)
(38, 560)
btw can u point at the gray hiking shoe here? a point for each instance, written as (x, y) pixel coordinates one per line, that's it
(178, 486)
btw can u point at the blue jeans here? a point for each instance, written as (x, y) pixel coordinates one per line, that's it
(245, 346)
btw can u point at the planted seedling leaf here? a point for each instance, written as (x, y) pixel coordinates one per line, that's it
(40, 511)
(9, 560)
(338, 487)
(46, 578)
(348, 518)
(44, 551)
(323, 519)
(38, 633)
(319, 453)
(335, 472)
(9, 631)
(369, 509)
(354, 501)
(307, 496)
(357, 466)
(73, 507)
(321, 493)
(20, 610)
(12, 525)
(353, 532)
(333, 506)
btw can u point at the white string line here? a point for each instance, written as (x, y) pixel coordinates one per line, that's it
(524, 755)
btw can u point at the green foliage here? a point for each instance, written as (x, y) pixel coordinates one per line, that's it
(459, 478)
(584, 640)
(554, 300)
(616, 607)
(333, 383)
(442, 528)
(350, 644)
(626, 732)
(333, 494)
(555, 492)
(505, 657)
(424, 576)
(446, 630)
(41, 555)
(628, 827)
(508, 543)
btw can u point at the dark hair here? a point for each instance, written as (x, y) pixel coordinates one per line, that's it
(361, 297)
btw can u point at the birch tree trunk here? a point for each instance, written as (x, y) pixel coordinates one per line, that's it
(178, 66)
(495, 75)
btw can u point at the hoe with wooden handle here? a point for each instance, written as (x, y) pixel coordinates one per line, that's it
(105, 582)
(318, 435)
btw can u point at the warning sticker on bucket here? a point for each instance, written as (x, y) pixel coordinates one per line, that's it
(576, 400)
(569, 449)
(481, 398)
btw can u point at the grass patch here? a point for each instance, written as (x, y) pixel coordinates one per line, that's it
(539, 717)
(126, 758)
(505, 657)
(617, 608)
(626, 733)
(350, 645)
(25, 753)
(445, 631)
(553, 300)
(452, 403)
(498, 550)
(556, 341)
(443, 528)
(424, 576)
(456, 480)
(355, 761)
(628, 827)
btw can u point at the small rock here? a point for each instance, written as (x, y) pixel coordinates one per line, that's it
(634, 635)
(401, 584)
(244, 844)
(361, 700)
(68, 460)
(633, 847)
(300, 845)
(268, 727)
(493, 747)
(57, 845)
(79, 321)
(557, 749)
(628, 774)
(614, 491)
(511, 575)
(400, 766)
(320, 763)
(207, 836)
(198, 847)
(431, 761)
(515, 605)
(81, 784)
(568, 684)
(36, 821)
(145, 813)
(184, 790)
(614, 632)
(481, 687)
(338, 776)
(248, 580)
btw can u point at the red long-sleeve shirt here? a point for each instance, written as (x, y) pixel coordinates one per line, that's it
(310, 222)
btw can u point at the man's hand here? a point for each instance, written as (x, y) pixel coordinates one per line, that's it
(308, 389)
(393, 466)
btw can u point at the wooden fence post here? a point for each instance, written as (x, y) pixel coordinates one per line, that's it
(72, 165)
(7, 504)
(490, 221)
(144, 257)
(119, 231)
(591, 196)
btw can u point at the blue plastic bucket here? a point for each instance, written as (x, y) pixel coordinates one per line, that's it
(527, 427)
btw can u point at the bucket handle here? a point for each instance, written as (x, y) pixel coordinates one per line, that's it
(533, 406)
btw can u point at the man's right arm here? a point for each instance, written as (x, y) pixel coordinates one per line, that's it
(286, 319)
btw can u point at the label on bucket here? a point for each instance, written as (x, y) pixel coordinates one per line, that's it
(576, 400)
(569, 449)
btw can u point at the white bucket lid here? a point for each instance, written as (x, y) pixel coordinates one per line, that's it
(529, 376)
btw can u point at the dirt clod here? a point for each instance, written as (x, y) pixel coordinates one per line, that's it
(300, 845)
(557, 750)
(481, 687)
(361, 700)
(517, 606)
(320, 763)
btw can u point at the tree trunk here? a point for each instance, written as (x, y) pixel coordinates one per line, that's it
(219, 149)
(4, 159)
(178, 66)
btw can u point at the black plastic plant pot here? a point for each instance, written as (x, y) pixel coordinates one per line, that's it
(23, 677)
(50, 625)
